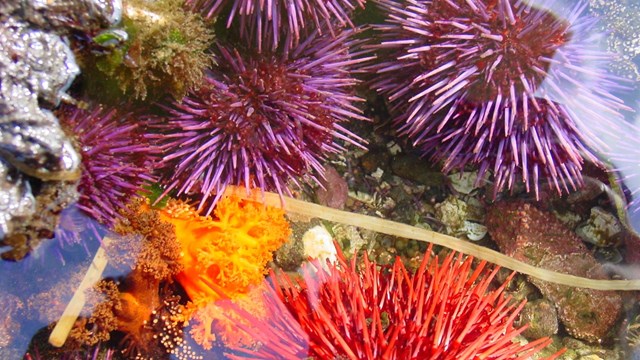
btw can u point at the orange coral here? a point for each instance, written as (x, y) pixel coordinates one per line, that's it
(227, 253)
(219, 320)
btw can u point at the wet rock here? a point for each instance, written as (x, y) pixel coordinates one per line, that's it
(601, 229)
(377, 158)
(631, 336)
(455, 215)
(611, 255)
(36, 68)
(578, 350)
(464, 182)
(474, 231)
(452, 212)
(519, 287)
(52, 198)
(291, 254)
(351, 240)
(569, 218)
(418, 170)
(587, 314)
(334, 190)
(592, 188)
(542, 317)
(16, 200)
(80, 15)
(631, 241)
(540, 239)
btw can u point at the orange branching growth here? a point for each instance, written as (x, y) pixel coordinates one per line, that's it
(218, 321)
(226, 253)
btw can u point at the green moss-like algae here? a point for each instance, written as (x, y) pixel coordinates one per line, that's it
(164, 53)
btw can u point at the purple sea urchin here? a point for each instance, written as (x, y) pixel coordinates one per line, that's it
(491, 83)
(259, 17)
(261, 120)
(116, 159)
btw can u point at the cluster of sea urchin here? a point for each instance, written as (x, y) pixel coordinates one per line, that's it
(443, 311)
(116, 158)
(490, 84)
(281, 17)
(261, 119)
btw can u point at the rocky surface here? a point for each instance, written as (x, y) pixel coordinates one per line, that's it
(542, 318)
(36, 68)
(528, 234)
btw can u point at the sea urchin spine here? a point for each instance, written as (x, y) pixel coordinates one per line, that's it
(446, 310)
(288, 18)
(493, 84)
(116, 159)
(261, 119)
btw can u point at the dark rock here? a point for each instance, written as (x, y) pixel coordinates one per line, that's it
(374, 159)
(418, 170)
(632, 247)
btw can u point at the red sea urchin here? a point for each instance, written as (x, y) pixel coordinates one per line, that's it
(116, 159)
(261, 119)
(445, 310)
(282, 17)
(492, 83)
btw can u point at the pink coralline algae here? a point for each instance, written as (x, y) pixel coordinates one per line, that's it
(540, 239)
(290, 19)
(334, 191)
(501, 85)
(261, 120)
(116, 158)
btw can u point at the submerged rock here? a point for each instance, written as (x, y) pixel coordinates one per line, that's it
(334, 190)
(36, 68)
(602, 229)
(538, 238)
(542, 317)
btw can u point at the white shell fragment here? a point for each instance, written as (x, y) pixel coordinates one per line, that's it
(318, 244)
(464, 183)
(600, 229)
(474, 231)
